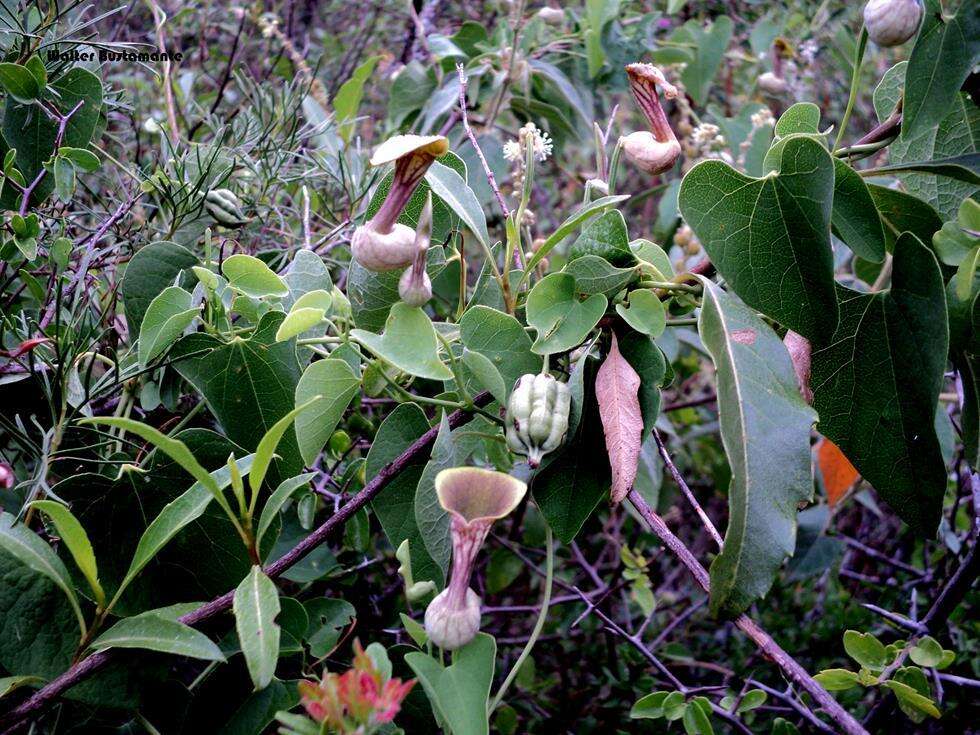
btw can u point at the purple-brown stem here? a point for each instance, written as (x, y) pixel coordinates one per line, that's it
(58, 138)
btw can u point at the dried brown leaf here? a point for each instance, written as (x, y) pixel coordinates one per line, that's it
(617, 391)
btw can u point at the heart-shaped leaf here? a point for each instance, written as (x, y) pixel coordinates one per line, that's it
(335, 382)
(770, 237)
(561, 320)
(876, 383)
(168, 315)
(408, 342)
(645, 312)
(252, 277)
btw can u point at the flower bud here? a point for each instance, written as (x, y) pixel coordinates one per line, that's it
(415, 287)
(772, 85)
(892, 22)
(552, 16)
(655, 151)
(537, 416)
(452, 626)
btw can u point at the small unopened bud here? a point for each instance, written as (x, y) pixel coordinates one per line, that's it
(450, 625)
(552, 16)
(771, 84)
(892, 22)
(657, 150)
(415, 287)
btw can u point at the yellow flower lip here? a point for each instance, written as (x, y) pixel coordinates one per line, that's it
(400, 146)
(474, 495)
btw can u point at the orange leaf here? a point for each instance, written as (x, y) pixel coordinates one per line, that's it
(617, 391)
(837, 472)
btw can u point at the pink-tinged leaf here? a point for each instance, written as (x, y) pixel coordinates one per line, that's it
(799, 350)
(617, 390)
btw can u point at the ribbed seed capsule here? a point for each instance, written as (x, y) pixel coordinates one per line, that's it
(537, 416)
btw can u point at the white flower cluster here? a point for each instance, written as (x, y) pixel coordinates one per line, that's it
(706, 141)
(529, 135)
(763, 118)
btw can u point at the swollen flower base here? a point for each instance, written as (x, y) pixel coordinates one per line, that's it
(657, 150)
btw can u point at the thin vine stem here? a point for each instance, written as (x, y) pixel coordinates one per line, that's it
(855, 76)
(538, 624)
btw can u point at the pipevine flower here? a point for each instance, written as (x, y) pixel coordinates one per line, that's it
(474, 499)
(357, 702)
(655, 150)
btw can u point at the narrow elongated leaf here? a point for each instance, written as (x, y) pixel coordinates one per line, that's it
(154, 632)
(267, 446)
(962, 168)
(29, 549)
(782, 220)
(168, 315)
(616, 390)
(765, 428)
(10, 683)
(348, 98)
(877, 381)
(77, 542)
(456, 193)
(298, 321)
(281, 494)
(336, 384)
(175, 515)
(256, 606)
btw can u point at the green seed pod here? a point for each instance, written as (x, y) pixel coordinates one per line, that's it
(225, 207)
(537, 416)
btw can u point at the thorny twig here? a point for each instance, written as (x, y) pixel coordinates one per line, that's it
(476, 146)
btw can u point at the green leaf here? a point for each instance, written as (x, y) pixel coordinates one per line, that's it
(452, 188)
(962, 168)
(901, 212)
(249, 384)
(911, 699)
(408, 342)
(965, 274)
(695, 721)
(650, 707)
(336, 384)
(837, 680)
(709, 50)
(395, 505)
(759, 400)
(252, 277)
(459, 692)
(76, 540)
(927, 652)
(946, 50)
(154, 632)
(486, 374)
(886, 361)
(430, 517)
(154, 267)
(167, 316)
(328, 619)
(645, 312)
(298, 321)
(782, 220)
(36, 67)
(177, 514)
(64, 178)
(561, 320)
(82, 158)
(583, 214)
(348, 98)
(500, 338)
(256, 605)
(867, 650)
(596, 275)
(373, 294)
(564, 86)
(855, 219)
(19, 82)
(267, 445)
(29, 549)
(607, 237)
(11, 683)
(753, 698)
(33, 133)
(277, 499)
